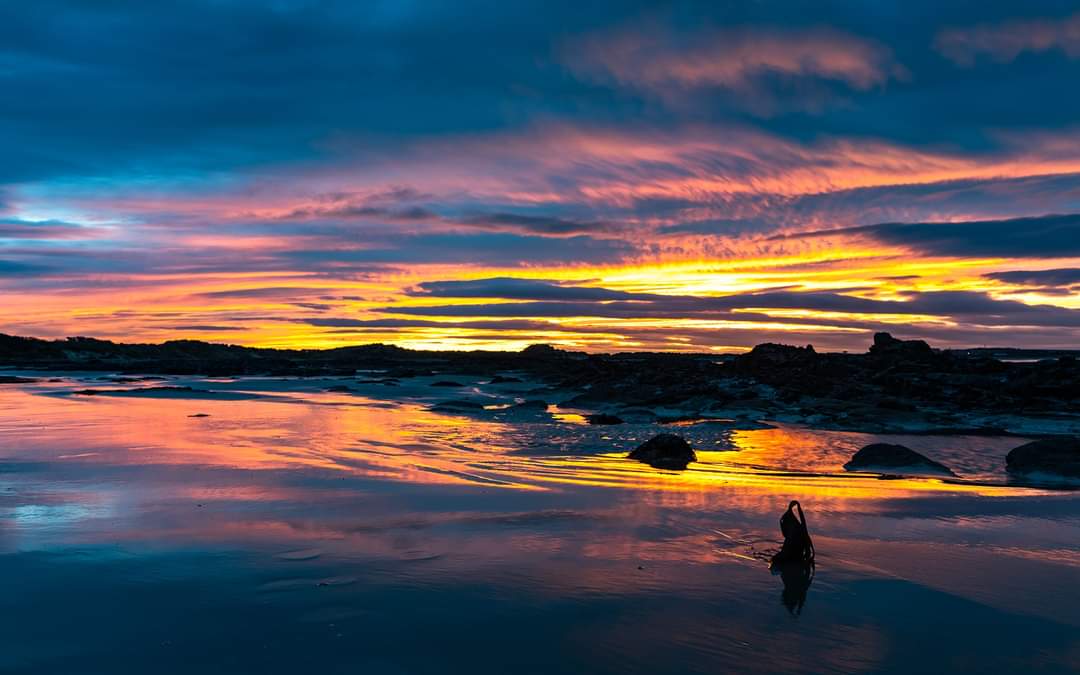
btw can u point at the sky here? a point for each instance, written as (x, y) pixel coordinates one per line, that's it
(600, 175)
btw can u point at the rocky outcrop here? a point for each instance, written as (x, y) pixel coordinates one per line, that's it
(887, 346)
(1055, 456)
(769, 356)
(665, 451)
(897, 386)
(891, 458)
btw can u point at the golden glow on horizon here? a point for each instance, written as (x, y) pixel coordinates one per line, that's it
(286, 309)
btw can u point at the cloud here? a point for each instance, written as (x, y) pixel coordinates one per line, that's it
(554, 300)
(656, 57)
(1005, 41)
(348, 211)
(375, 154)
(46, 230)
(205, 327)
(348, 322)
(532, 224)
(1062, 277)
(521, 289)
(11, 268)
(264, 292)
(494, 248)
(1053, 236)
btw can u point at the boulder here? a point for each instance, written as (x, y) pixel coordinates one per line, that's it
(894, 459)
(665, 451)
(1059, 456)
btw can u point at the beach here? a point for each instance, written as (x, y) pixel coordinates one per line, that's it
(276, 524)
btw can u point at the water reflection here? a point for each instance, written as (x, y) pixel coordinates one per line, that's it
(796, 577)
(386, 519)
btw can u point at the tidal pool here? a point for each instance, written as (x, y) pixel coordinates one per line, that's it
(302, 530)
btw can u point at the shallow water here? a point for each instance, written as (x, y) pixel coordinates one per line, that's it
(304, 530)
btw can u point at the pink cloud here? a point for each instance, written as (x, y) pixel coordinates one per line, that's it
(652, 58)
(1004, 42)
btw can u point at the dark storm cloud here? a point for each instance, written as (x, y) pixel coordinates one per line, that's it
(998, 197)
(1062, 277)
(1053, 236)
(553, 300)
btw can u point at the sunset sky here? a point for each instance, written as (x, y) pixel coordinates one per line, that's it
(599, 175)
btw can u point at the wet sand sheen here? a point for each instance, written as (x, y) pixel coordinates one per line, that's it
(316, 525)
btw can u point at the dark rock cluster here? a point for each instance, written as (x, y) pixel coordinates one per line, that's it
(893, 458)
(1049, 456)
(665, 451)
(897, 385)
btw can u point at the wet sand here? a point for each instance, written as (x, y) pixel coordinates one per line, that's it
(361, 531)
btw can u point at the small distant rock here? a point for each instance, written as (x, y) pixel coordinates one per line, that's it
(665, 451)
(604, 418)
(1060, 456)
(504, 379)
(200, 415)
(878, 456)
(447, 383)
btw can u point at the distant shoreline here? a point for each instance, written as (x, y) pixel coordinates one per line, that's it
(896, 386)
(17, 344)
